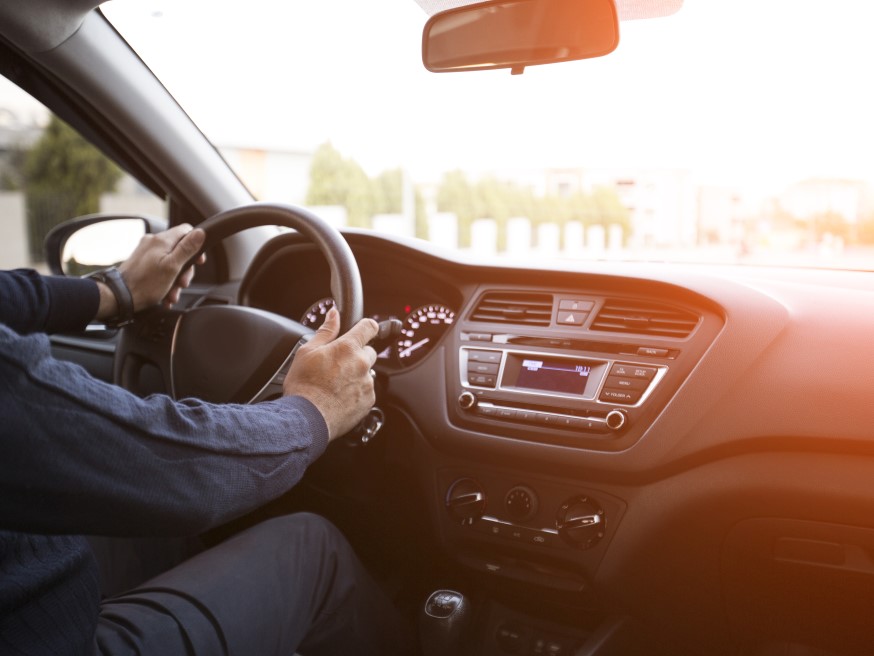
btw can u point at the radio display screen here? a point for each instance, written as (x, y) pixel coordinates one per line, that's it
(553, 375)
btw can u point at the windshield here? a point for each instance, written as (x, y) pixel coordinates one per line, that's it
(732, 131)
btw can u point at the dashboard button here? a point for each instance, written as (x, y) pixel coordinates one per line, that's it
(633, 371)
(618, 382)
(593, 425)
(575, 305)
(571, 318)
(479, 337)
(493, 357)
(482, 368)
(619, 396)
(489, 526)
(487, 410)
(544, 418)
(528, 416)
(506, 413)
(652, 352)
(544, 539)
(482, 380)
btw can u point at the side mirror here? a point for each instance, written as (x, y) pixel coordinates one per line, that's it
(518, 33)
(89, 243)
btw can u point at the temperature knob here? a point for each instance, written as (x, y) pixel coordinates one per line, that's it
(580, 522)
(466, 500)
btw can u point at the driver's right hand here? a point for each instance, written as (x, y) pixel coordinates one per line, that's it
(333, 373)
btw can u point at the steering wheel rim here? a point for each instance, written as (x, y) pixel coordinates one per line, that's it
(232, 353)
(346, 288)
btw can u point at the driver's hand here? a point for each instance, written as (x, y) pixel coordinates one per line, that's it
(153, 272)
(333, 373)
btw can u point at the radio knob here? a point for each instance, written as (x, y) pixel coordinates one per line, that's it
(466, 400)
(580, 522)
(616, 420)
(466, 500)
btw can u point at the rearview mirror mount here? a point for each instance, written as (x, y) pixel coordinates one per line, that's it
(518, 33)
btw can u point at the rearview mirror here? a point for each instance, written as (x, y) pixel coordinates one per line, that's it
(518, 33)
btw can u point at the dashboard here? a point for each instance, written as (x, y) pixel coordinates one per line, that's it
(664, 437)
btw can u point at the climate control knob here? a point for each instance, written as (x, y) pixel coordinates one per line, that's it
(521, 503)
(580, 522)
(466, 500)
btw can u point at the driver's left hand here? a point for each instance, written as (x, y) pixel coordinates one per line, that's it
(153, 272)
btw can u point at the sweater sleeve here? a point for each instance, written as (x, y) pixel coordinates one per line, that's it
(80, 456)
(30, 302)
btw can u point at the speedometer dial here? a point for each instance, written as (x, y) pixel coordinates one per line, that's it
(422, 328)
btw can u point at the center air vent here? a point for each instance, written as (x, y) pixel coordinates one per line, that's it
(514, 307)
(644, 318)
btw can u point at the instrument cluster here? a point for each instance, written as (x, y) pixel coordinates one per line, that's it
(423, 326)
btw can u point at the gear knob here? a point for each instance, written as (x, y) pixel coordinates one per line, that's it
(442, 623)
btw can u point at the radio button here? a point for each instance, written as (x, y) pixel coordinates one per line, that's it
(575, 305)
(482, 368)
(545, 418)
(479, 337)
(592, 425)
(506, 413)
(619, 396)
(528, 416)
(652, 352)
(634, 384)
(482, 380)
(487, 410)
(633, 371)
(492, 357)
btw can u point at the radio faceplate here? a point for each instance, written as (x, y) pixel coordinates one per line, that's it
(542, 379)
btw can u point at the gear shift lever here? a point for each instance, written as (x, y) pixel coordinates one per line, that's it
(442, 623)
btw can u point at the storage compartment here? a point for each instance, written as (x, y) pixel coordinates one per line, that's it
(800, 582)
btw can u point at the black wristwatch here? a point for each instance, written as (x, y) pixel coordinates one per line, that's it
(111, 277)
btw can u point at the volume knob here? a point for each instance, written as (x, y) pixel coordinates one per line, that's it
(466, 400)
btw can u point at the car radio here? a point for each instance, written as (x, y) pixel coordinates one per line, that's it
(558, 390)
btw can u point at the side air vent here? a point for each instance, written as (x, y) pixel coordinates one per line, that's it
(644, 318)
(514, 307)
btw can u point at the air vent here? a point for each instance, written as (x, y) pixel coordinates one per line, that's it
(514, 307)
(644, 318)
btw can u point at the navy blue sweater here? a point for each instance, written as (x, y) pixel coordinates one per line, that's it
(78, 456)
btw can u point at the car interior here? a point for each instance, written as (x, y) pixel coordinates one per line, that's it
(588, 457)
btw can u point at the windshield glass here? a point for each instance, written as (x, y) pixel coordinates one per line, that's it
(732, 131)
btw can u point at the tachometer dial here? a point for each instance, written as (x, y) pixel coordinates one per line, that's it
(422, 328)
(315, 315)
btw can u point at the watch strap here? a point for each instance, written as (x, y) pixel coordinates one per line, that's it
(112, 278)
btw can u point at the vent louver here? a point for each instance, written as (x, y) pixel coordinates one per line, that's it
(514, 307)
(644, 318)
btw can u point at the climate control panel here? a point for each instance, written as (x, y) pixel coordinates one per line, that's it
(580, 522)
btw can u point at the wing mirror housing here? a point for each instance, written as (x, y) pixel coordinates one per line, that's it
(515, 34)
(96, 241)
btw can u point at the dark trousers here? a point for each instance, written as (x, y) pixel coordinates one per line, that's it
(291, 584)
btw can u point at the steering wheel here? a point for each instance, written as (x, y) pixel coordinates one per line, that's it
(230, 353)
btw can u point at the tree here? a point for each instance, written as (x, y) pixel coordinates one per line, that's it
(335, 180)
(64, 176)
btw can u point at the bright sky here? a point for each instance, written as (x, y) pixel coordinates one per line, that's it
(752, 92)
